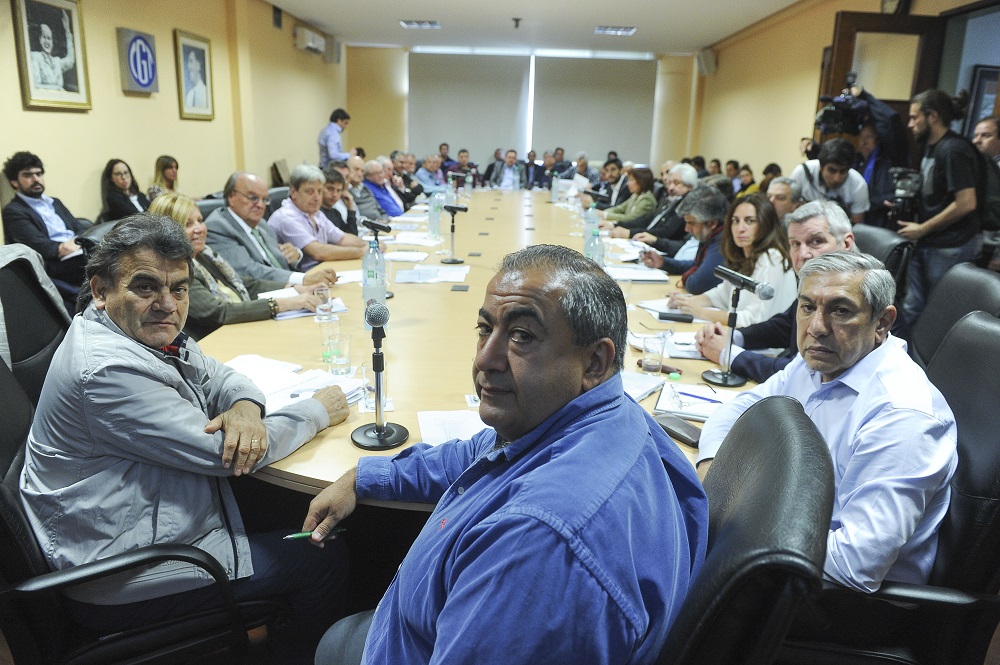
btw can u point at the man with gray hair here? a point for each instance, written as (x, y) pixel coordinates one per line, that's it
(815, 228)
(785, 195)
(528, 507)
(663, 229)
(584, 169)
(377, 183)
(299, 221)
(364, 200)
(704, 212)
(890, 432)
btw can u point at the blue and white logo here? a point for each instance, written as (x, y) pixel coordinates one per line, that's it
(141, 61)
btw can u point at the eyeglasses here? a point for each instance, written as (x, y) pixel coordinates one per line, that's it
(120, 174)
(254, 199)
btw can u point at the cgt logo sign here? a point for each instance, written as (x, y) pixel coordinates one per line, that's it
(137, 60)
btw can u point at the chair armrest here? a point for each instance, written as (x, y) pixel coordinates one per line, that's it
(921, 595)
(144, 556)
(85, 222)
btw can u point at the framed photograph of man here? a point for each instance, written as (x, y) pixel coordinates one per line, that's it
(983, 103)
(194, 76)
(51, 55)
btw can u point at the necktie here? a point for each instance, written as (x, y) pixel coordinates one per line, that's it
(263, 245)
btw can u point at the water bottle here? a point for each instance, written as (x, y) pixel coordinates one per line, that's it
(553, 187)
(591, 215)
(468, 184)
(434, 215)
(373, 274)
(449, 194)
(593, 247)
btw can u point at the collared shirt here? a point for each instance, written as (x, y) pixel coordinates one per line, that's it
(386, 198)
(294, 226)
(46, 209)
(577, 541)
(509, 177)
(852, 194)
(432, 182)
(329, 145)
(591, 175)
(294, 277)
(892, 437)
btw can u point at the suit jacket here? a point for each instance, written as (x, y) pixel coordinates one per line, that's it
(664, 223)
(774, 333)
(543, 178)
(22, 224)
(229, 240)
(497, 177)
(120, 206)
(608, 189)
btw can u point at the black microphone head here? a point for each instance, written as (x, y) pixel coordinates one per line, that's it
(454, 209)
(375, 225)
(376, 314)
(764, 291)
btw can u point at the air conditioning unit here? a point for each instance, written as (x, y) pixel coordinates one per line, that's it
(309, 40)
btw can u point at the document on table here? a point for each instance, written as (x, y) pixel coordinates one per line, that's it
(399, 255)
(414, 238)
(283, 383)
(336, 304)
(692, 402)
(655, 307)
(637, 274)
(625, 250)
(677, 345)
(348, 277)
(440, 426)
(432, 274)
(640, 385)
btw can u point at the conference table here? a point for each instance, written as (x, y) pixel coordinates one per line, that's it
(431, 337)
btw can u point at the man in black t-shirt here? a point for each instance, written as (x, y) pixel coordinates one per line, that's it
(946, 230)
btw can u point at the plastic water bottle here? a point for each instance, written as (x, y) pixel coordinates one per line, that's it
(449, 194)
(591, 215)
(373, 274)
(593, 246)
(553, 187)
(468, 184)
(434, 215)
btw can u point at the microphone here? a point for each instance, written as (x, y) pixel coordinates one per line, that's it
(376, 314)
(763, 290)
(597, 196)
(378, 227)
(454, 209)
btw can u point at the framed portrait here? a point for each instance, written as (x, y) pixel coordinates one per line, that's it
(194, 76)
(51, 55)
(984, 96)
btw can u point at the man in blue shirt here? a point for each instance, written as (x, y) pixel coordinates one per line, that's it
(330, 139)
(570, 531)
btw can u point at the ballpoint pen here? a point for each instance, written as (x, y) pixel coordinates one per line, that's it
(306, 534)
(707, 399)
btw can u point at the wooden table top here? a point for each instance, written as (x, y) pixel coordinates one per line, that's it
(430, 340)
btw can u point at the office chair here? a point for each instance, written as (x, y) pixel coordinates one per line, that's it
(206, 206)
(33, 618)
(952, 619)
(277, 195)
(92, 237)
(963, 289)
(770, 498)
(34, 315)
(890, 248)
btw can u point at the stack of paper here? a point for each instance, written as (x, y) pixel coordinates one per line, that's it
(283, 383)
(399, 255)
(414, 238)
(637, 274)
(432, 274)
(655, 307)
(692, 402)
(640, 385)
(336, 304)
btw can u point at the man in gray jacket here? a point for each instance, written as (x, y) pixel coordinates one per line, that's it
(135, 433)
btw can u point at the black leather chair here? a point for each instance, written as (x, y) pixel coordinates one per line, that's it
(952, 619)
(35, 325)
(890, 248)
(92, 237)
(770, 498)
(206, 206)
(33, 618)
(277, 195)
(963, 289)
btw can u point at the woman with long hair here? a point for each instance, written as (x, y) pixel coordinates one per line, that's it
(642, 202)
(120, 196)
(755, 244)
(218, 295)
(164, 178)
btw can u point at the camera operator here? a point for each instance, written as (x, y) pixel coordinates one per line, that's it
(946, 230)
(831, 178)
(874, 164)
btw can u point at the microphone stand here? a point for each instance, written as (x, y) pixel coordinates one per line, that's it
(451, 260)
(726, 378)
(381, 435)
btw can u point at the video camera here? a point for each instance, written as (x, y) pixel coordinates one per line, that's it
(843, 114)
(904, 202)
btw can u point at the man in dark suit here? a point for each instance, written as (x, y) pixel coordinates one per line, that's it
(236, 233)
(43, 223)
(814, 229)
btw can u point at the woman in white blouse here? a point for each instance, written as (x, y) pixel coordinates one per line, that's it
(754, 243)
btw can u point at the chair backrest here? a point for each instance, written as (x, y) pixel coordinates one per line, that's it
(890, 248)
(963, 289)
(206, 206)
(35, 327)
(966, 369)
(770, 498)
(277, 195)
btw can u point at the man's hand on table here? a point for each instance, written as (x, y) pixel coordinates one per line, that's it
(246, 436)
(330, 506)
(711, 340)
(335, 402)
(327, 277)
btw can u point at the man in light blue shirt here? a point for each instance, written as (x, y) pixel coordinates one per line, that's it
(568, 533)
(511, 174)
(890, 432)
(330, 139)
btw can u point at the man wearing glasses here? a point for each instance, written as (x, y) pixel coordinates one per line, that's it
(252, 248)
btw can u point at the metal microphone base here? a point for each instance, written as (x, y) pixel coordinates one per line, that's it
(452, 261)
(719, 378)
(392, 436)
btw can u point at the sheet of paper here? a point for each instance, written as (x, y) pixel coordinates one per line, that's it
(681, 345)
(336, 304)
(655, 307)
(440, 426)
(308, 383)
(399, 255)
(407, 226)
(637, 273)
(432, 274)
(693, 402)
(417, 238)
(639, 385)
(348, 276)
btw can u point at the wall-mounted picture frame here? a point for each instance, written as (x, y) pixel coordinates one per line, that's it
(194, 76)
(51, 54)
(983, 100)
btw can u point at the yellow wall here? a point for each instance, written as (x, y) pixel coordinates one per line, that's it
(270, 100)
(377, 91)
(672, 113)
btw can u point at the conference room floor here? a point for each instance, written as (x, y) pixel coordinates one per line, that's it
(430, 340)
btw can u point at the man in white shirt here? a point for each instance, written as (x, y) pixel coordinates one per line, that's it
(511, 174)
(236, 233)
(831, 177)
(890, 432)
